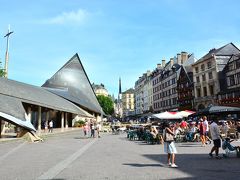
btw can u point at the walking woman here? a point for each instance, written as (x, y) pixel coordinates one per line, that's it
(202, 131)
(169, 146)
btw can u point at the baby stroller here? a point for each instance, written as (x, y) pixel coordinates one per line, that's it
(230, 150)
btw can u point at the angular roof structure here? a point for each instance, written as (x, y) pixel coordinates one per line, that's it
(71, 82)
(226, 50)
(12, 110)
(15, 93)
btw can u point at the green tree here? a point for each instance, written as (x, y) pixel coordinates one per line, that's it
(2, 71)
(106, 103)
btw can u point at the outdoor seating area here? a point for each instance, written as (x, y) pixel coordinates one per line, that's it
(187, 125)
(154, 134)
(146, 133)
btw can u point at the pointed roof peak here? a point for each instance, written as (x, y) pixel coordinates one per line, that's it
(74, 79)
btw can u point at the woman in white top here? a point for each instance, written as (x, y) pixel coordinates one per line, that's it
(169, 146)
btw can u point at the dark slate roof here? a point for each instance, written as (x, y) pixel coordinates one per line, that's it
(186, 70)
(12, 106)
(71, 82)
(129, 91)
(37, 96)
(96, 86)
(226, 50)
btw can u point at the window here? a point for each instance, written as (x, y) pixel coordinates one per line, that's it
(209, 65)
(173, 91)
(198, 92)
(205, 91)
(204, 77)
(202, 67)
(197, 78)
(174, 101)
(211, 89)
(196, 69)
(230, 66)
(238, 78)
(238, 64)
(231, 81)
(210, 76)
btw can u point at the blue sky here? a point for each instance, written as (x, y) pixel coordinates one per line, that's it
(113, 38)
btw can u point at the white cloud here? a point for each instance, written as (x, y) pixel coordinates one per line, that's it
(73, 17)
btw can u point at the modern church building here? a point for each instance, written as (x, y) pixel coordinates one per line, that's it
(64, 98)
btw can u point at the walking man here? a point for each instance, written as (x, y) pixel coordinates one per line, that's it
(51, 126)
(216, 137)
(205, 123)
(92, 127)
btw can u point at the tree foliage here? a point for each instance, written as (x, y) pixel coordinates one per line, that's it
(2, 71)
(106, 103)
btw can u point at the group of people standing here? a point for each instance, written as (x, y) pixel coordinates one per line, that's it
(92, 127)
(204, 128)
(48, 126)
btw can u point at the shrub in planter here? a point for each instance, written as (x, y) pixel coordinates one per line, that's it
(79, 123)
(76, 124)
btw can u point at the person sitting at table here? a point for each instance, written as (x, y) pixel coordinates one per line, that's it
(224, 129)
(191, 134)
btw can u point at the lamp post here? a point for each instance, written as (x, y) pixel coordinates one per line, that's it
(7, 54)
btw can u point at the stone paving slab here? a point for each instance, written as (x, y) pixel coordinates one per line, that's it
(115, 157)
(70, 156)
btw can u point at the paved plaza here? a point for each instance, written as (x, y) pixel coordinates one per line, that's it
(71, 156)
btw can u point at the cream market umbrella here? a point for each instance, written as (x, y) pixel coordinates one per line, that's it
(185, 113)
(168, 115)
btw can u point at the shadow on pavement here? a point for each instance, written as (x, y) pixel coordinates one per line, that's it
(198, 165)
(142, 165)
(81, 137)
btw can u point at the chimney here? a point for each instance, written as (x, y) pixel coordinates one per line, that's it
(171, 61)
(179, 58)
(184, 57)
(148, 72)
(159, 66)
(163, 63)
